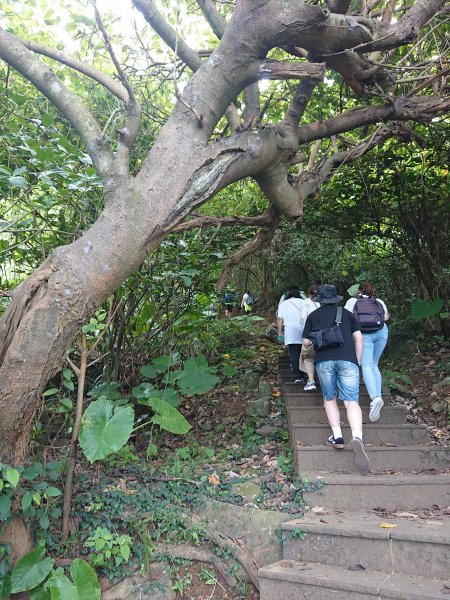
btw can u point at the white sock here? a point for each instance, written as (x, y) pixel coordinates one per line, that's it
(377, 398)
(357, 434)
(337, 432)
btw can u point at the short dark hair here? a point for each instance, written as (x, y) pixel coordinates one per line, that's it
(293, 293)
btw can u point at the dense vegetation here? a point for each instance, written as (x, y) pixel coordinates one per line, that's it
(129, 403)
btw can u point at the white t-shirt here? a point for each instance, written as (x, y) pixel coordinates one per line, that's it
(289, 311)
(308, 307)
(349, 305)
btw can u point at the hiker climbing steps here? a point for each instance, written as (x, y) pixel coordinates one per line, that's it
(378, 535)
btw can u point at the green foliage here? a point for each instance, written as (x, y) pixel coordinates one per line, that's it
(108, 547)
(84, 583)
(38, 498)
(34, 573)
(31, 570)
(425, 309)
(105, 428)
(396, 380)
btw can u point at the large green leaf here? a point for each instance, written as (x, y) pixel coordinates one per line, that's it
(105, 428)
(41, 593)
(197, 377)
(424, 309)
(5, 507)
(5, 587)
(197, 383)
(85, 579)
(30, 570)
(61, 588)
(168, 417)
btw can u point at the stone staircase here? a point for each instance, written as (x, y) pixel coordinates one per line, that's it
(380, 535)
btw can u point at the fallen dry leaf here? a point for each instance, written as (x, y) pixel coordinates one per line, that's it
(387, 525)
(214, 479)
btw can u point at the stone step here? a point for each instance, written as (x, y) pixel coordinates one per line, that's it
(382, 458)
(316, 399)
(390, 491)
(343, 539)
(316, 414)
(291, 580)
(375, 434)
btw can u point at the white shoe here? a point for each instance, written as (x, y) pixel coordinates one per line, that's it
(375, 408)
(361, 458)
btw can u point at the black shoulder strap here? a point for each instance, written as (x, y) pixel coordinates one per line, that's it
(338, 315)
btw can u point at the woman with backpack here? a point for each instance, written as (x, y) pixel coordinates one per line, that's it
(247, 303)
(371, 314)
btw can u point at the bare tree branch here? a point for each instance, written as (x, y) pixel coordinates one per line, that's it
(208, 221)
(421, 108)
(213, 16)
(178, 45)
(261, 240)
(339, 6)
(168, 34)
(299, 102)
(129, 133)
(73, 62)
(44, 79)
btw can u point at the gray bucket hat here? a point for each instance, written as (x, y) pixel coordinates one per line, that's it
(326, 294)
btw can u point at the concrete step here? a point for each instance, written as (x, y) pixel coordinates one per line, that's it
(391, 491)
(297, 413)
(343, 539)
(382, 458)
(375, 434)
(302, 398)
(291, 580)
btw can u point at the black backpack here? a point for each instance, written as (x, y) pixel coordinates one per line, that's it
(250, 300)
(369, 313)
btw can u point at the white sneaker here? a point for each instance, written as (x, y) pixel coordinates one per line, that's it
(361, 458)
(375, 408)
(310, 387)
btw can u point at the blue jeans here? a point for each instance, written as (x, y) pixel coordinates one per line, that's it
(339, 378)
(374, 344)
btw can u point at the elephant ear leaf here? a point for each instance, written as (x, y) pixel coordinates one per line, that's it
(30, 570)
(105, 428)
(168, 417)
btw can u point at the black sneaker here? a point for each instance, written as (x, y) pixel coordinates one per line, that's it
(337, 443)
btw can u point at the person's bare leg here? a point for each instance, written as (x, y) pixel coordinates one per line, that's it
(354, 416)
(334, 419)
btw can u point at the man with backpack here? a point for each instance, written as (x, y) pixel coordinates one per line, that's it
(338, 344)
(371, 314)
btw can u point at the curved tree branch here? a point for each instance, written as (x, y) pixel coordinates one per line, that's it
(44, 79)
(116, 88)
(209, 221)
(261, 240)
(180, 47)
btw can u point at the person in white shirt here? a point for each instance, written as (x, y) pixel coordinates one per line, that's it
(288, 320)
(307, 353)
(374, 344)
